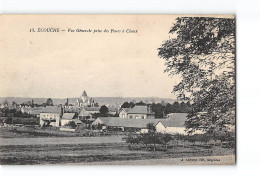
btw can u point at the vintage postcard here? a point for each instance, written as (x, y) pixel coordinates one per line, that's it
(117, 90)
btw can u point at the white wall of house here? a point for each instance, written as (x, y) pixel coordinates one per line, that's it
(97, 121)
(175, 130)
(123, 114)
(67, 129)
(144, 130)
(180, 130)
(160, 128)
(50, 116)
(136, 116)
(65, 121)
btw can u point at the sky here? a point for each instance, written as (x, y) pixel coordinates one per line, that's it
(60, 65)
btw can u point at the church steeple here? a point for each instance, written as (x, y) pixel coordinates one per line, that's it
(84, 94)
(84, 97)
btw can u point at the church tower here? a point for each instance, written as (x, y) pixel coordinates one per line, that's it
(84, 97)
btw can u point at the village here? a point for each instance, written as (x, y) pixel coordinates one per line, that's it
(87, 118)
(86, 111)
(129, 112)
(132, 130)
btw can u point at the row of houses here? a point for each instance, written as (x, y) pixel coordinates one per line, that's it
(176, 124)
(134, 119)
(55, 116)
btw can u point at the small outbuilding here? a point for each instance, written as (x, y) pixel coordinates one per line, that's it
(68, 117)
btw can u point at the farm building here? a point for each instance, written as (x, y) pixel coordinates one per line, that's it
(86, 112)
(123, 112)
(68, 117)
(137, 112)
(51, 115)
(125, 124)
(112, 110)
(173, 125)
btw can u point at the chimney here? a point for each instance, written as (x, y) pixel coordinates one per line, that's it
(150, 108)
(61, 110)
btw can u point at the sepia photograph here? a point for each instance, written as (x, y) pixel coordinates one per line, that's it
(118, 90)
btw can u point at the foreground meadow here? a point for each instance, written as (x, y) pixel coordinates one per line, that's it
(26, 149)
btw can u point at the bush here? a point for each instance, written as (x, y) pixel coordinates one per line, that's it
(148, 139)
(71, 124)
(9, 120)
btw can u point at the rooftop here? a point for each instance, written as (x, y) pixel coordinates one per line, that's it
(178, 121)
(139, 110)
(68, 115)
(51, 109)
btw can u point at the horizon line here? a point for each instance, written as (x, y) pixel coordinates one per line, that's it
(90, 97)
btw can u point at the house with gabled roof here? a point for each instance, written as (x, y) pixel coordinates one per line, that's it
(125, 124)
(68, 117)
(51, 115)
(123, 112)
(171, 126)
(87, 112)
(140, 112)
(175, 124)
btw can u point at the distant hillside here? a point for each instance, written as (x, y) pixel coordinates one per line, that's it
(113, 101)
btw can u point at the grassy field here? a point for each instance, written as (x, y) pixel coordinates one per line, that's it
(26, 149)
(87, 153)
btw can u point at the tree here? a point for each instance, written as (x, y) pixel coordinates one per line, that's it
(49, 102)
(182, 107)
(128, 105)
(9, 120)
(13, 103)
(140, 103)
(151, 128)
(201, 52)
(165, 139)
(71, 124)
(176, 107)
(125, 105)
(103, 110)
(158, 110)
(168, 109)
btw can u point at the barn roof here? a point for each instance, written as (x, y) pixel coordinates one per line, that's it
(83, 112)
(77, 121)
(106, 120)
(51, 109)
(178, 121)
(68, 115)
(125, 109)
(35, 112)
(139, 110)
(121, 122)
(91, 108)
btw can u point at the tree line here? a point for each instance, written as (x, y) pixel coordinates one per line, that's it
(156, 140)
(162, 109)
(6, 112)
